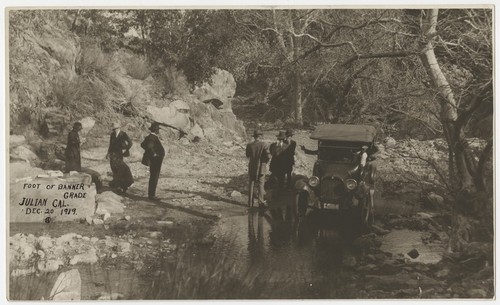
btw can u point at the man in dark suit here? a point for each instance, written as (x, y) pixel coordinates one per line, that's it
(258, 154)
(119, 146)
(153, 156)
(278, 161)
(72, 153)
(289, 157)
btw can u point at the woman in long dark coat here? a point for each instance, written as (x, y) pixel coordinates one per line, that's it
(72, 153)
(119, 146)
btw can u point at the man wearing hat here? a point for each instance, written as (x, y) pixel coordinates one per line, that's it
(278, 161)
(153, 157)
(119, 146)
(360, 161)
(289, 156)
(72, 153)
(258, 154)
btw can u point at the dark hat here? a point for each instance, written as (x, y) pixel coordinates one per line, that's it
(257, 133)
(281, 135)
(154, 126)
(289, 133)
(77, 124)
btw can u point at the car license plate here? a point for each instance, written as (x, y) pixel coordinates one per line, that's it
(332, 206)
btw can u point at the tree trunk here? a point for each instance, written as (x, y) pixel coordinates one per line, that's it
(463, 182)
(449, 114)
(297, 79)
(297, 97)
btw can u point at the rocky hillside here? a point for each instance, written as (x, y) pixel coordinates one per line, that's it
(57, 78)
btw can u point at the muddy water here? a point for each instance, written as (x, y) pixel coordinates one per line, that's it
(272, 242)
(312, 250)
(403, 241)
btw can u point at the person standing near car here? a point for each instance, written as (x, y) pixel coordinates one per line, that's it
(278, 160)
(290, 146)
(72, 153)
(258, 156)
(119, 146)
(153, 157)
(360, 162)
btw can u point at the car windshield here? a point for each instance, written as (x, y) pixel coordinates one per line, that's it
(337, 154)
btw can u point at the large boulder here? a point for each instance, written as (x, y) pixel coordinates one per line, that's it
(68, 286)
(25, 154)
(109, 202)
(171, 116)
(216, 125)
(16, 140)
(48, 198)
(221, 86)
(23, 171)
(87, 124)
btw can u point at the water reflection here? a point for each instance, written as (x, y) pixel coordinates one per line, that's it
(255, 238)
(279, 243)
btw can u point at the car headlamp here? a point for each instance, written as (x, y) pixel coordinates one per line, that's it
(313, 181)
(351, 184)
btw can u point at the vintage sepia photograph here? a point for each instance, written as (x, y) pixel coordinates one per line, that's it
(250, 153)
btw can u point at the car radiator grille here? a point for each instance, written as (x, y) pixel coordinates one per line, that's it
(332, 190)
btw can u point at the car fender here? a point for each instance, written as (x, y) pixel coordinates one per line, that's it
(301, 185)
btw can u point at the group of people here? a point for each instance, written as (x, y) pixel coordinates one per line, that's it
(281, 158)
(119, 148)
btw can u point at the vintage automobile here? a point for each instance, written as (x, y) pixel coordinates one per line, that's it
(335, 184)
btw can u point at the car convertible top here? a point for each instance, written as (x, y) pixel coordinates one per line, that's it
(344, 132)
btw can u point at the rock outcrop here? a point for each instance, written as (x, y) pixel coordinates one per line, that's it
(51, 196)
(68, 286)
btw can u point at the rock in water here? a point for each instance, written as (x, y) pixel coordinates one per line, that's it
(68, 286)
(413, 253)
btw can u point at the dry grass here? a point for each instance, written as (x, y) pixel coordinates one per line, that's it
(137, 68)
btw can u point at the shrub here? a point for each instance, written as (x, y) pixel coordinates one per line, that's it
(137, 68)
(92, 61)
(81, 95)
(175, 81)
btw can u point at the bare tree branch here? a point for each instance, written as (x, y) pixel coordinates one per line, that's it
(405, 53)
(424, 123)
